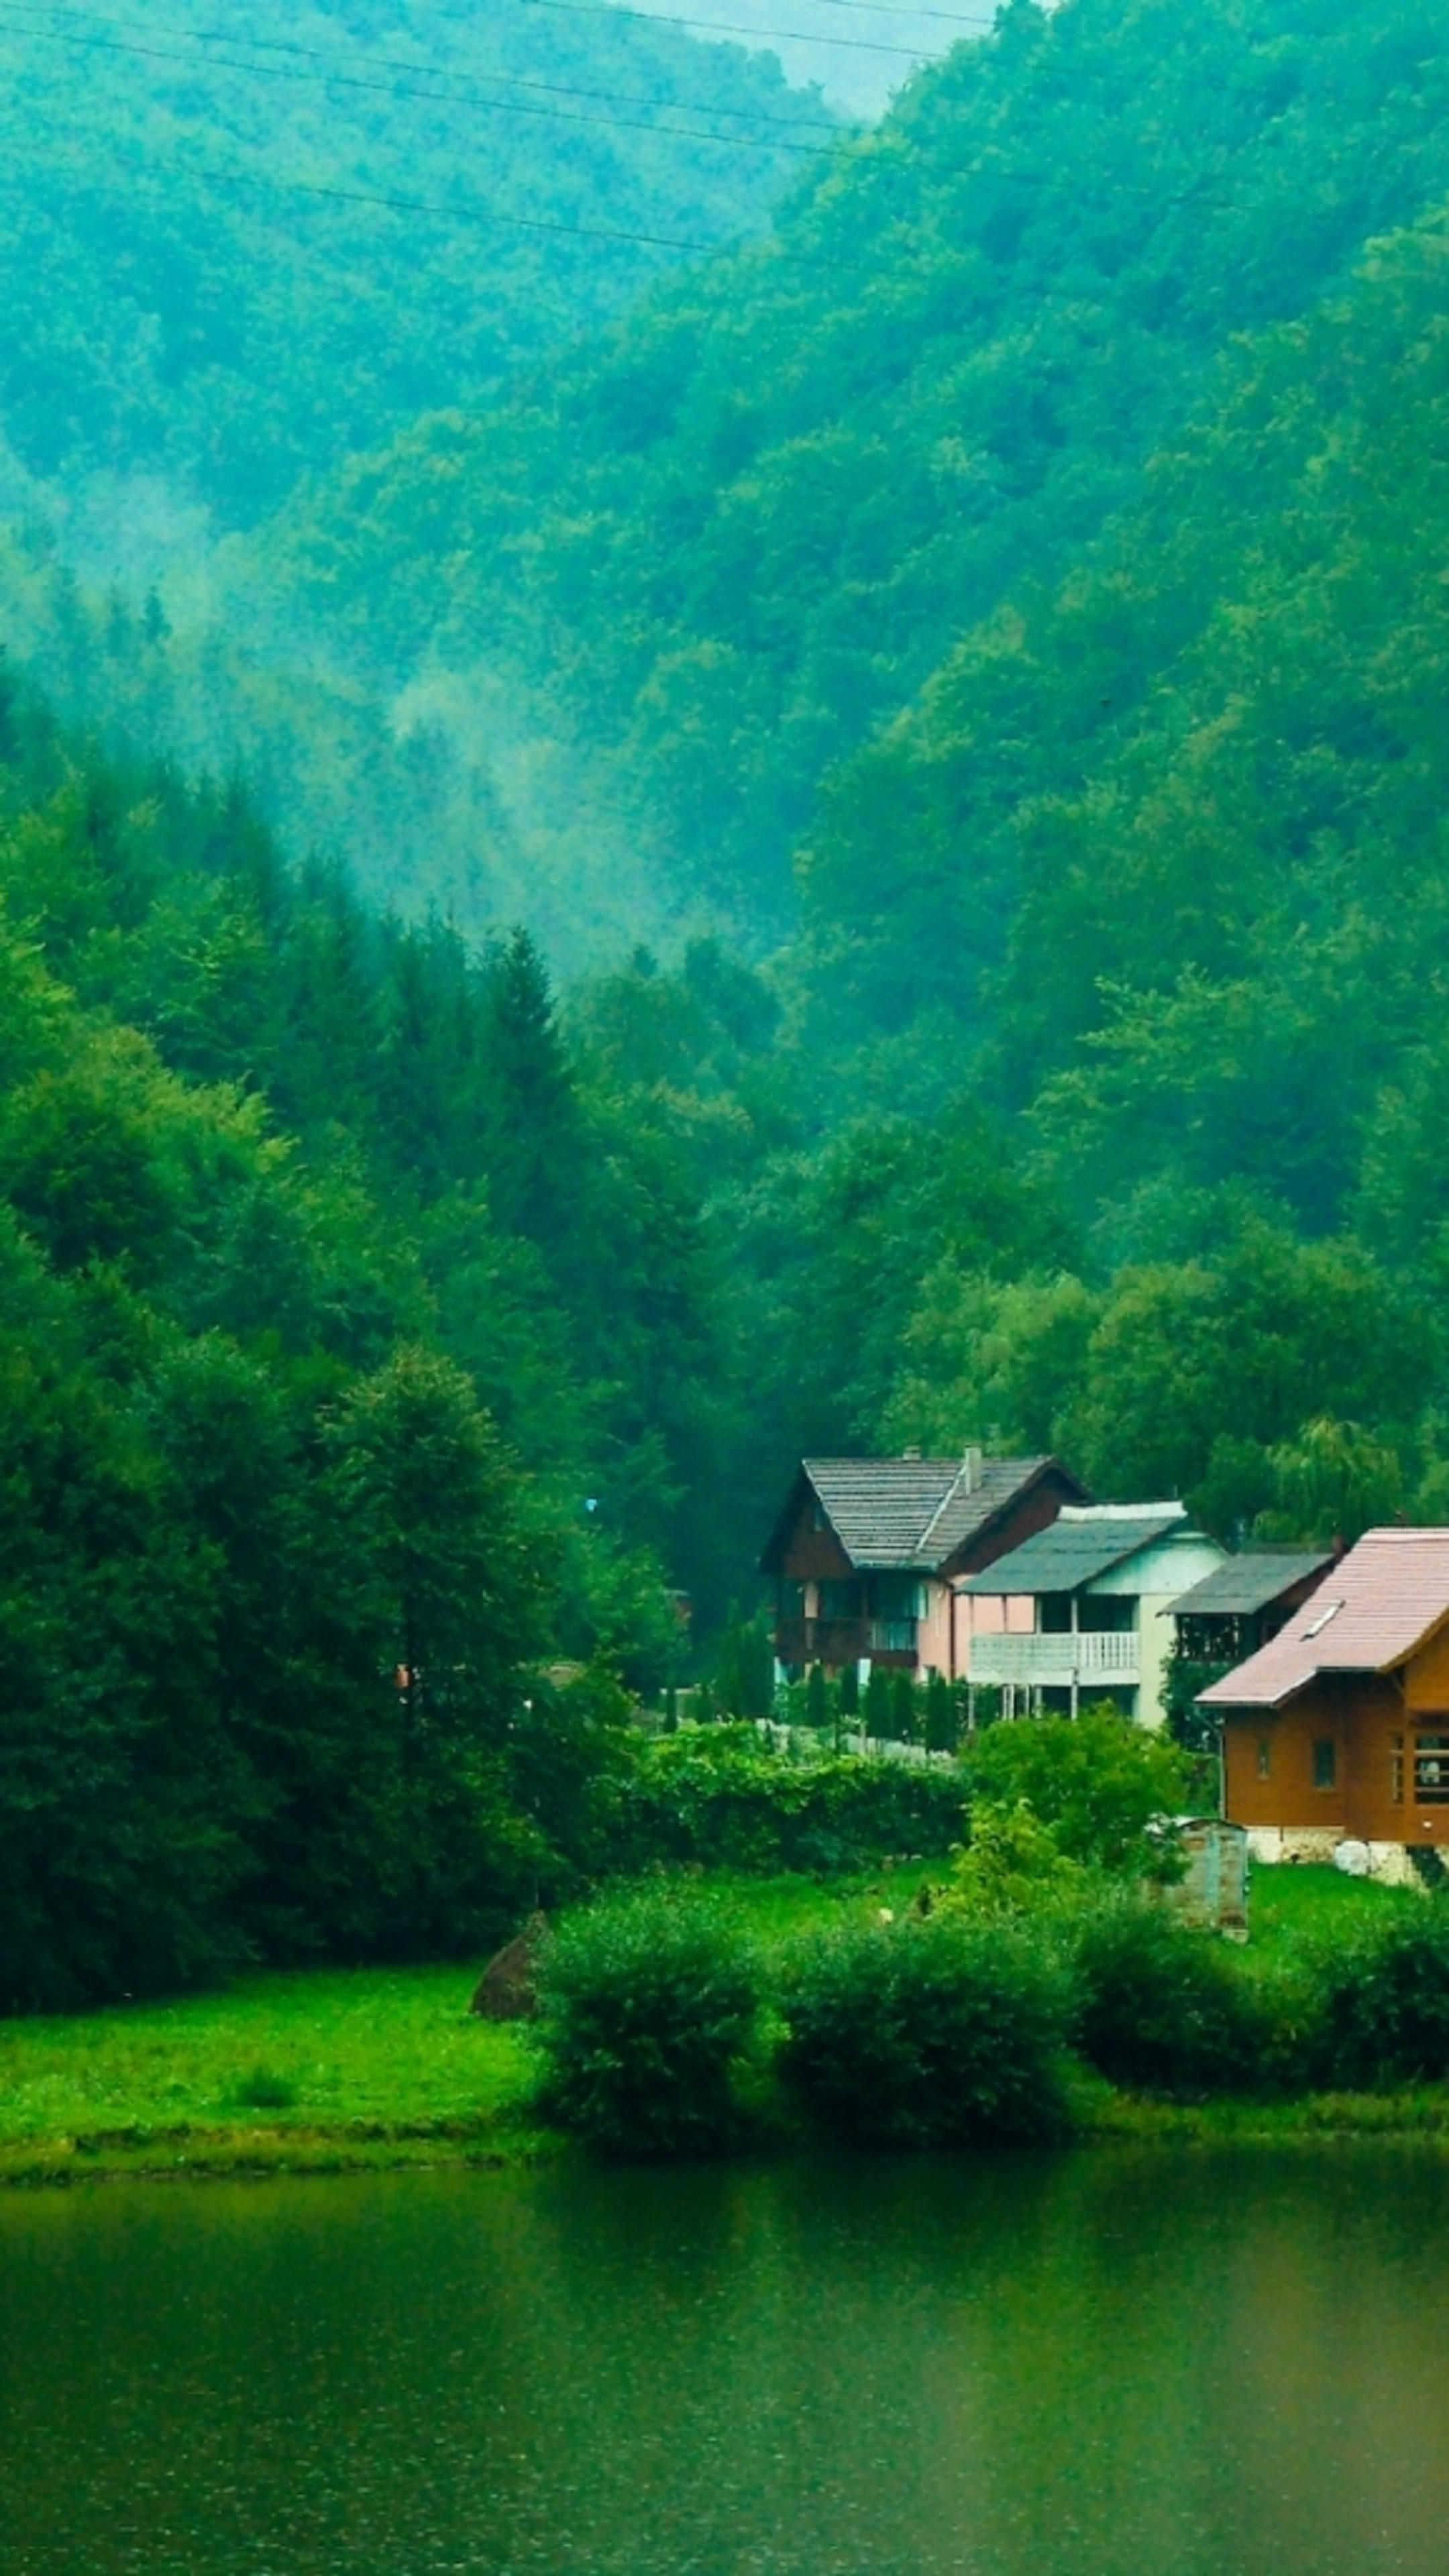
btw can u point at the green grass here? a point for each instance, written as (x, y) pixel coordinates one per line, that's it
(337, 2069)
(359, 2066)
(318, 2070)
(1288, 1904)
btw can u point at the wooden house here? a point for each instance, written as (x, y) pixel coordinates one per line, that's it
(869, 1554)
(1337, 1729)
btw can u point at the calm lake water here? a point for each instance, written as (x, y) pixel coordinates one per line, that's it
(1091, 2365)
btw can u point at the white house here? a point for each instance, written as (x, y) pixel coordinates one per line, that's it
(1075, 1615)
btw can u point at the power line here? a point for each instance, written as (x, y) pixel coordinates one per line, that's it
(495, 80)
(615, 9)
(846, 148)
(432, 98)
(761, 35)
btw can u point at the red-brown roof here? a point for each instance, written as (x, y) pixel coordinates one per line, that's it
(1388, 1595)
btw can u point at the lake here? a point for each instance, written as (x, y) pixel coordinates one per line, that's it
(1128, 2363)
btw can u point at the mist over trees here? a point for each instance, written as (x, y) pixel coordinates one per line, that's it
(882, 884)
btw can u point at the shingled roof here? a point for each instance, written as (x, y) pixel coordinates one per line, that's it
(1079, 1546)
(1388, 1595)
(898, 1515)
(1243, 1584)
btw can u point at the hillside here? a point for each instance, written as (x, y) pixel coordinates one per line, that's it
(722, 545)
(229, 259)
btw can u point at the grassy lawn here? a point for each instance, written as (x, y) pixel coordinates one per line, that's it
(317, 2069)
(330, 2070)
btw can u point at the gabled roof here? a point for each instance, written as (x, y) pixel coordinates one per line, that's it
(1250, 1581)
(894, 1515)
(1388, 1595)
(1079, 1546)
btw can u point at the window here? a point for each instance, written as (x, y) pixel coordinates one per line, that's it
(1325, 1763)
(1431, 1770)
(897, 1596)
(1265, 1758)
(839, 1599)
(1396, 1772)
(1053, 1613)
(1109, 1614)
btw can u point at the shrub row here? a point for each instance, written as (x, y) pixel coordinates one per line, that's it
(666, 2032)
(720, 1797)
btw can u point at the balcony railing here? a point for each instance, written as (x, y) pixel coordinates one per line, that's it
(1048, 1661)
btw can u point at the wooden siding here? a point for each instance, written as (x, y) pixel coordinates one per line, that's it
(1372, 1729)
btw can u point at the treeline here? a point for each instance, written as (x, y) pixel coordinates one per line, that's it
(357, 1362)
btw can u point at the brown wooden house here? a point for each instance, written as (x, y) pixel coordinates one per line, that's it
(867, 1553)
(1338, 1728)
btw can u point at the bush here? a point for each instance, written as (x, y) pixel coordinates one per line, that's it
(1096, 1780)
(1382, 1999)
(715, 1796)
(648, 2014)
(927, 2035)
(1165, 2009)
(1011, 1866)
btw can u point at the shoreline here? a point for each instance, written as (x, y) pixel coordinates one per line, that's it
(187, 2153)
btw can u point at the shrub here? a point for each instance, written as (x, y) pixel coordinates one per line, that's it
(1095, 1780)
(716, 1796)
(1382, 1997)
(648, 2013)
(264, 2091)
(930, 2034)
(1011, 1866)
(1166, 2009)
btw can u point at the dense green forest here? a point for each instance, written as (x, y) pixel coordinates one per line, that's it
(993, 632)
(206, 289)
(220, 275)
(728, 539)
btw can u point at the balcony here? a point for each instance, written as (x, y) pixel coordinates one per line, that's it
(1038, 1661)
(834, 1642)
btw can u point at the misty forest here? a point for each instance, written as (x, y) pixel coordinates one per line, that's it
(699, 762)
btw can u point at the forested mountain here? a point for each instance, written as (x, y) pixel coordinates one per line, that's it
(207, 291)
(219, 273)
(1012, 599)
(725, 542)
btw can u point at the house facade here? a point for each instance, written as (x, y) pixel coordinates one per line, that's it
(1244, 1602)
(869, 1554)
(1075, 1617)
(1337, 1729)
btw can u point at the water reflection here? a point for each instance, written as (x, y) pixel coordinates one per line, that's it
(1059, 2366)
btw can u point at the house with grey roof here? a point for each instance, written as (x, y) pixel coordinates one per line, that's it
(1245, 1601)
(1073, 1618)
(869, 1554)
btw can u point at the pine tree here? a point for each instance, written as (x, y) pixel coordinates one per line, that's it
(878, 1704)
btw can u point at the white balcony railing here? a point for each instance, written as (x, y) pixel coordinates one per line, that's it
(1049, 1661)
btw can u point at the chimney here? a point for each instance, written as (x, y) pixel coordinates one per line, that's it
(971, 1466)
(910, 1453)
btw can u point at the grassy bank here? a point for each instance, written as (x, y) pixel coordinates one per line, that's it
(331, 2070)
(342, 2070)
